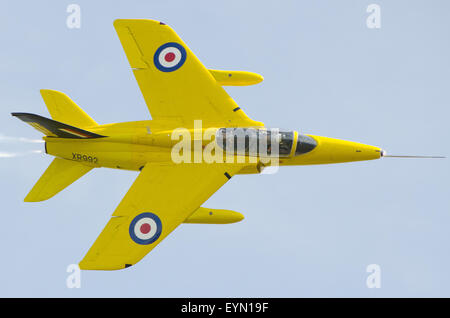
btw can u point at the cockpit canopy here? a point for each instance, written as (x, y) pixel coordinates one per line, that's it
(305, 144)
(263, 142)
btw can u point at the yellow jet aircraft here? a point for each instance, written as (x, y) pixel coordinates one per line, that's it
(179, 91)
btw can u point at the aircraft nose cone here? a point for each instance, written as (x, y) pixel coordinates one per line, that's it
(330, 150)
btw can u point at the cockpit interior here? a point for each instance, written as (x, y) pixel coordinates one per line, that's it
(264, 142)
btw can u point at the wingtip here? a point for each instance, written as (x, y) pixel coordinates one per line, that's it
(127, 22)
(31, 197)
(93, 266)
(44, 91)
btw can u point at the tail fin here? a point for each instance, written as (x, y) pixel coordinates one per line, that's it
(63, 109)
(54, 128)
(60, 174)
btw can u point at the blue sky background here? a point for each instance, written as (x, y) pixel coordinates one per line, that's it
(308, 231)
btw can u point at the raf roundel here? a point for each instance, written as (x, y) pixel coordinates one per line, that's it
(169, 57)
(145, 228)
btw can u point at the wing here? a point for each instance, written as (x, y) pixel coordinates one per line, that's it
(161, 198)
(175, 84)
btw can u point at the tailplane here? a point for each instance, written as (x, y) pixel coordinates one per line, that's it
(67, 117)
(60, 174)
(63, 109)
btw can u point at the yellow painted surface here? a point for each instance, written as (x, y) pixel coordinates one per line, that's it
(214, 216)
(64, 110)
(331, 150)
(60, 174)
(187, 94)
(236, 78)
(173, 192)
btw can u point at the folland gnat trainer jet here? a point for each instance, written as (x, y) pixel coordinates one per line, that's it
(179, 91)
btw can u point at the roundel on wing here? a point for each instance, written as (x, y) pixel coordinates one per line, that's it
(145, 228)
(169, 57)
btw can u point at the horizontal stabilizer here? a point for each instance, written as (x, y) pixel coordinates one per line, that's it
(59, 175)
(63, 109)
(53, 128)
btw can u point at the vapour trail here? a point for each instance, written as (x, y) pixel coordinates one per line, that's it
(4, 138)
(6, 154)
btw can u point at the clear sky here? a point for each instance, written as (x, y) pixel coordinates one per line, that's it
(308, 231)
